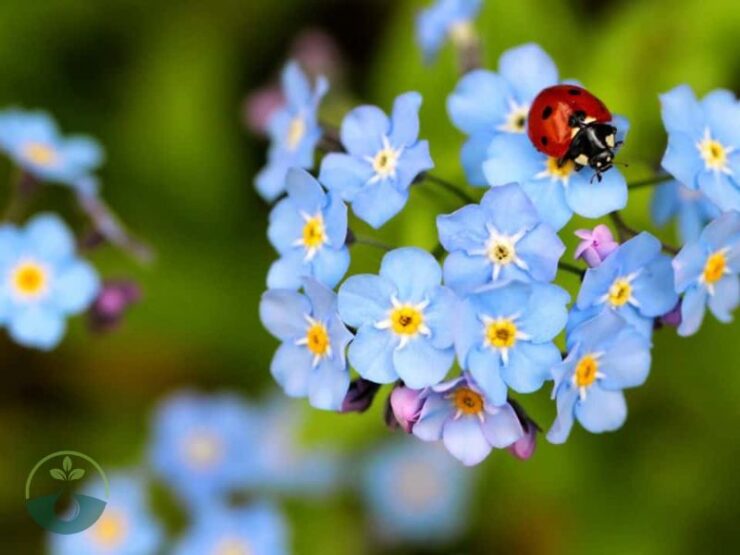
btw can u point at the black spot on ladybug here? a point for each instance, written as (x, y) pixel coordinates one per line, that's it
(543, 140)
(547, 112)
(574, 92)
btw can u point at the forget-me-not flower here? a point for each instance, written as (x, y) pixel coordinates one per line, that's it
(504, 336)
(605, 356)
(707, 273)
(469, 425)
(403, 320)
(42, 281)
(485, 104)
(690, 207)
(294, 131)
(308, 228)
(443, 19)
(384, 156)
(499, 240)
(311, 360)
(33, 141)
(704, 143)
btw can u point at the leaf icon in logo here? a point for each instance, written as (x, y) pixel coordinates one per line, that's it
(58, 474)
(67, 464)
(76, 474)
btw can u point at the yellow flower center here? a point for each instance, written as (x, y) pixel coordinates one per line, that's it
(586, 371)
(110, 530)
(203, 449)
(467, 401)
(29, 279)
(501, 334)
(39, 153)
(462, 33)
(620, 292)
(713, 153)
(715, 267)
(406, 320)
(385, 161)
(502, 252)
(317, 339)
(296, 131)
(314, 234)
(233, 546)
(561, 172)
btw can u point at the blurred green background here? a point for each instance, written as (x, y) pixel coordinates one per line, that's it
(161, 84)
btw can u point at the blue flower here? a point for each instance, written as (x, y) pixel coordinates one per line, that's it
(636, 281)
(403, 320)
(443, 19)
(691, 209)
(258, 529)
(458, 413)
(383, 158)
(605, 356)
(126, 527)
(44, 281)
(485, 104)
(556, 191)
(707, 273)
(308, 229)
(33, 141)
(416, 492)
(503, 337)
(499, 240)
(294, 131)
(203, 445)
(704, 143)
(311, 360)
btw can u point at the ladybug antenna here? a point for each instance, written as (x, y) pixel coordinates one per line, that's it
(625, 164)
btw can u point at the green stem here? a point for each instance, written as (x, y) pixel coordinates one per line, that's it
(650, 181)
(22, 188)
(572, 269)
(626, 232)
(353, 239)
(454, 189)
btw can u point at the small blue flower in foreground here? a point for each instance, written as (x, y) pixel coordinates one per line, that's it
(635, 281)
(499, 240)
(707, 273)
(44, 281)
(33, 141)
(294, 131)
(384, 156)
(692, 209)
(201, 445)
(403, 320)
(416, 492)
(605, 356)
(311, 361)
(443, 19)
(258, 529)
(503, 337)
(485, 103)
(704, 143)
(126, 527)
(458, 413)
(308, 229)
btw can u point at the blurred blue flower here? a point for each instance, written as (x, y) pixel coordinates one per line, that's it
(259, 529)
(704, 143)
(384, 156)
(33, 141)
(308, 229)
(707, 273)
(44, 281)
(469, 425)
(690, 207)
(485, 104)
(403, 318)
(311, 360)
(203, 445)
(416, 493)
(605, 356)
(443, 19)
(126, 527)
(499, 240)
(294, 131)
(556, 191)
(635, 281)
(503, 336)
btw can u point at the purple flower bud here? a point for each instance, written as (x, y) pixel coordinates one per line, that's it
(524, 447)
(672, 318)
(360, 395)
(596, 245)
(318, 53)
(114, 299)
(259, 106)
(406, 405)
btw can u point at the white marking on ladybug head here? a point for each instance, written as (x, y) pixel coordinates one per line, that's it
(589, 119)
(610, 141)
(581, 160)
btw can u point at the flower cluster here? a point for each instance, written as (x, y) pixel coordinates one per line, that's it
(460, 331)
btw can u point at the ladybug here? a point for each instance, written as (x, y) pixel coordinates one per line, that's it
(569, 123)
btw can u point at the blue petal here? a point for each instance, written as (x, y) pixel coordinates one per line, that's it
(465, 441)
(596, 199)
(529, 70)
(285, 226)
(466, 331)
(328, 386)
(296, 87)
(548, 196)
(330, 265)
(721, 189)
(50, 238)
(628, 363)
(511, 159)
(291, 368)
(480, 101)
(682, 160)
(596, 283)
(335, 221)
(323, 300)
(602, 411)
(270, 181)
(464, 229)
(287, 271)
(465, 273)
(405, 119)
(413, 271)
(529, 366)
(598, 332)
(725, 298)
(75, 286)
(541, 249)
(282, 313)
(378, 202)
(509, 209)
(665, 203)
(484, 366)
(419, 364)
(638, 252)
(722, 232)
(304, 191)
(560, 429)
(434, 413)
(439, 315)
(472, 155)
(36, 326)
(371, 354)
(546, 312)
(722, 112)
(688, 265)
(681, 112)
(344, 174)
(654, 288)
(365, 299)
(82, 155)
(413, 161)
(693, 307)
(502, 426)
(363, 129)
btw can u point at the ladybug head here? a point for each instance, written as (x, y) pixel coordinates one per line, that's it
(594, 146)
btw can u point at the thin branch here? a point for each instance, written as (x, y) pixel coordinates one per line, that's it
(625, 232)
(572, 269)
(650, 181)
(353, 239)
(454, 189)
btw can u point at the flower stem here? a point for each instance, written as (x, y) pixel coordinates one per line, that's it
(625, 232)
(572, 269)
(353, 239)
(454, 189)
(22, 188)
(650, 181)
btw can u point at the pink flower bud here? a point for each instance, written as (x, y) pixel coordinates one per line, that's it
(114, 299)
(260, 105)
(524, 447)
(596, 245)
(406, 405)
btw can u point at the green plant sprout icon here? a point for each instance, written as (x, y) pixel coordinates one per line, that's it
(64, 511)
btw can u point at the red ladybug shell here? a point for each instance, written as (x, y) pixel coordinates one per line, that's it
(548, 127)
